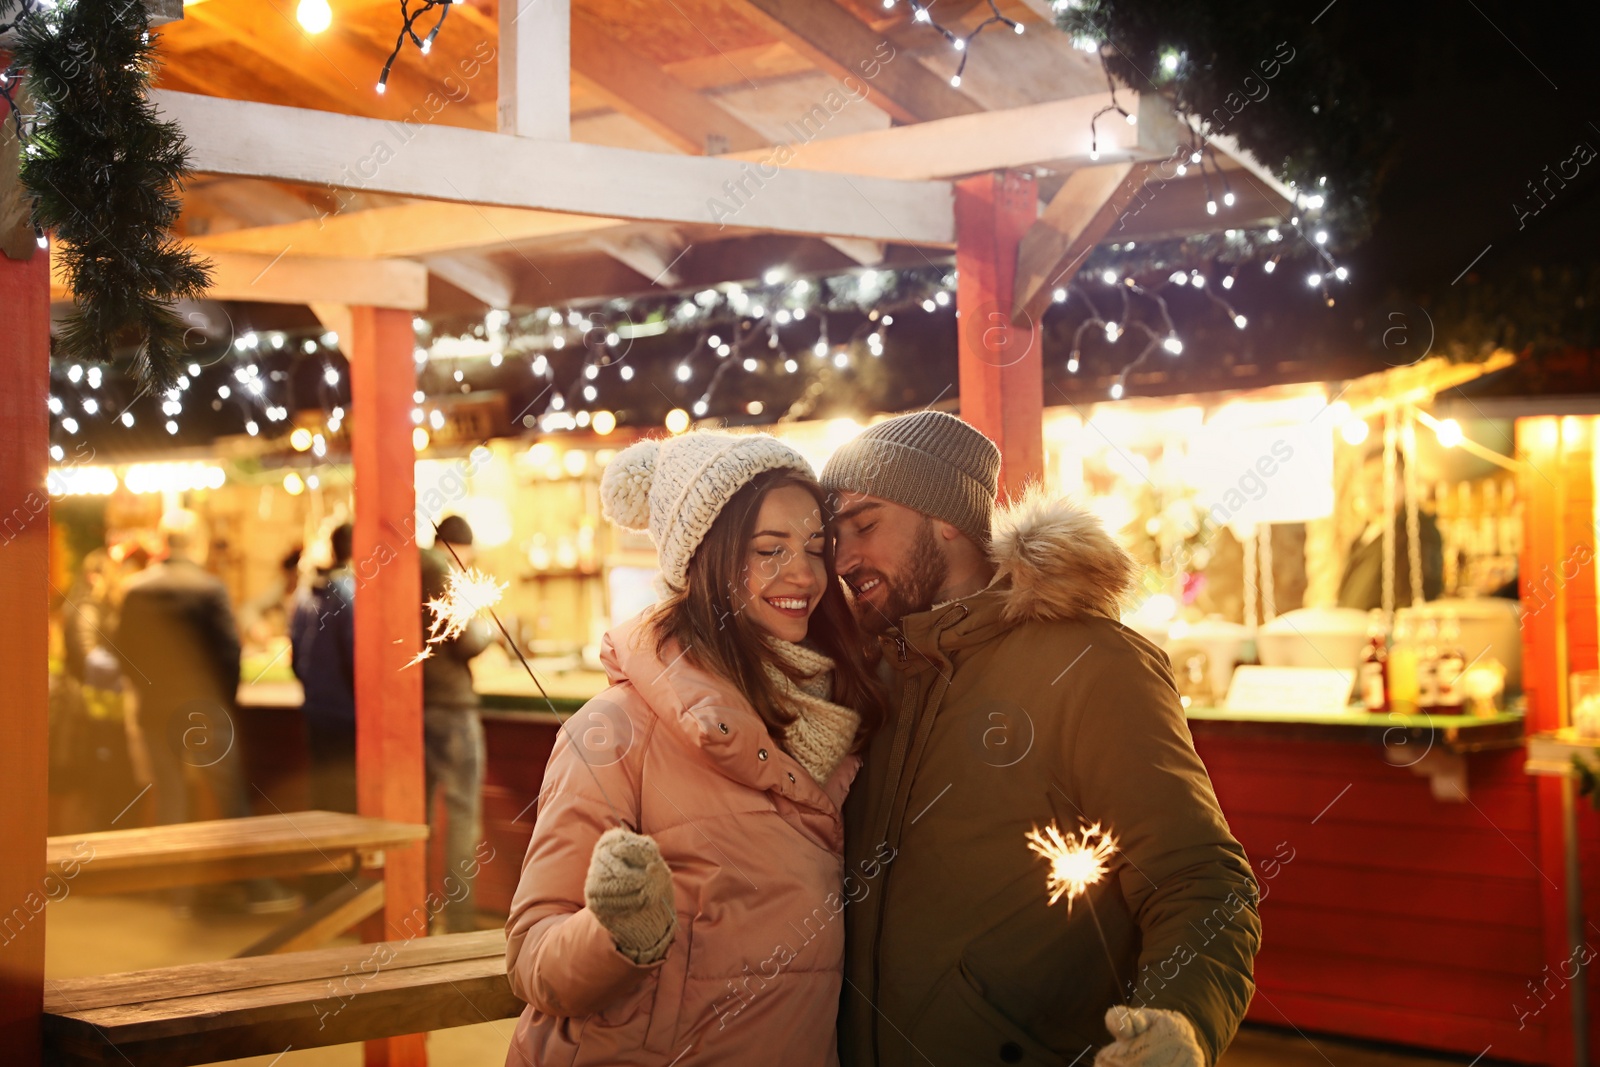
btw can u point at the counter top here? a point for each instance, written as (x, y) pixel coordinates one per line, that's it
(1455, 733)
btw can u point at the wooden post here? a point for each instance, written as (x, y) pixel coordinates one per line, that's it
(1556, 574)
(24, 551)
(388, 622)
(1001, 373)
(535, 69)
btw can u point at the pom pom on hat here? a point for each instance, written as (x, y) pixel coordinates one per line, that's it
(676, 487)
(625, 485)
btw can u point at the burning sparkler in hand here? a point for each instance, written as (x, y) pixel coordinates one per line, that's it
(467, 594)
(1077, 861)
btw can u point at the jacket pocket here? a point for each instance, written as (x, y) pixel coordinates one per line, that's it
(960, 1025)
(667, 1007)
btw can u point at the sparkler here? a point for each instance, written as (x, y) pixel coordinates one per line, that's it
(467, 594)
(469, 591)
(1077, 861)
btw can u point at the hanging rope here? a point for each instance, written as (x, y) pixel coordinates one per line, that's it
(1248, 546)
(1269, 601)
(1388, 515)
(1413, 528)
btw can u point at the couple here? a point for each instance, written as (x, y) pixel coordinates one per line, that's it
(699, 891)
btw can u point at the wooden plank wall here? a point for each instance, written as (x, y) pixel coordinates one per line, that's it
(1387, 914)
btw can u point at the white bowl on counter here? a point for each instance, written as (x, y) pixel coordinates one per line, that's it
(1225, 645)
(1314, 637)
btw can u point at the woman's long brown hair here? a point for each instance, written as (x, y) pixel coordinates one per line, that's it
(706, 622)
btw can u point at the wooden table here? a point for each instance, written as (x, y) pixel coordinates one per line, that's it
(230, 850)
(203, 1012)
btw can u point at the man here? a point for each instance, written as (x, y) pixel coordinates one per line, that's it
(1018, 699)
(452, 733)
(180, 656)
(322, 638)
(1361, 585)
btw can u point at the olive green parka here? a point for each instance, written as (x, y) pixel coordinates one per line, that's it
(1023, 704)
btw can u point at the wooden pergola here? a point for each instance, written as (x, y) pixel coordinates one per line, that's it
(546, 151)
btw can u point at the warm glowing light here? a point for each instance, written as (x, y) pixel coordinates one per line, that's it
(604, 422)
(419, 438)
(172, 477)
(300, 440)
(1449, 432)
(466, 594)
(1077, 861)
(293, 484)
(1354, 431)
(314, 16)
(677, 420)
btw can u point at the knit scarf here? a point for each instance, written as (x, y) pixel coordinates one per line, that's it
(822, 735)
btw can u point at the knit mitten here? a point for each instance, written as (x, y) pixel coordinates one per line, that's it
(1149, 1037)
(629, 889)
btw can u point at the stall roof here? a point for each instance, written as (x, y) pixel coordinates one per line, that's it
(440, 194)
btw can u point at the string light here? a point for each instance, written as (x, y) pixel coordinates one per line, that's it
(410, 19)
(960, 43)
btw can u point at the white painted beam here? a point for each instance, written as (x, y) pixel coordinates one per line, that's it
(477, 276)
(286, 279)
(866, 253)
(536, 69)
(648, 255)
(468, 166)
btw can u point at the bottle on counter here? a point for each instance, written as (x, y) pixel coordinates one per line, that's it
(1428, 665)
(1452, 666)
(1402, 667)
(1373, 679)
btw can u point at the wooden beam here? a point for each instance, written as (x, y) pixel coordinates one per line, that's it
(341, 64)
(643, 91)
(335, 318)
(1056, 132)
(409, 230)
(651, 257)
(281, 279)
(323, 921)
(24, 602)
(866, 253)
(535, 79)
(388, 620)
(263, 140)
(1000, 364)
(477, 276)
(850, 50)
(1074, 221)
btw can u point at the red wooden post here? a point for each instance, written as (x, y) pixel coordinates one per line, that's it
(24, 552)
(1001, 373)
(388, 622)
(1558, 541)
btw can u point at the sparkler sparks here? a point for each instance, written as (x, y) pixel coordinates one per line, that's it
(1077, 861)
(466, 594)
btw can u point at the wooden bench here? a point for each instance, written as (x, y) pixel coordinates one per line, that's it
(204, 1012)
(228, 850)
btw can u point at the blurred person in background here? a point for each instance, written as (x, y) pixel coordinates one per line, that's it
(322, 642)
(265, 617)
(452, 731)
(1361, 586)
(179, 651)
(98, 768)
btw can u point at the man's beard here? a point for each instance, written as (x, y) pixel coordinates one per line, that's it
(910, 592)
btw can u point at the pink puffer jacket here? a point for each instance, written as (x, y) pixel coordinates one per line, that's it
(754, 845)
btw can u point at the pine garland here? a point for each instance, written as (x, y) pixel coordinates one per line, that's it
(104, 174)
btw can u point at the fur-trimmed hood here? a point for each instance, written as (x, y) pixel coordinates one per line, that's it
(1054, 560)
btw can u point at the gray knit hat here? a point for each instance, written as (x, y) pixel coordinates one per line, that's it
(927, 461)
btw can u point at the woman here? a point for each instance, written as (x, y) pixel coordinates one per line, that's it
(684, 886)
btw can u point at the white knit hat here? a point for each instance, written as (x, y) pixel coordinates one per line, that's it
(676, 487)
